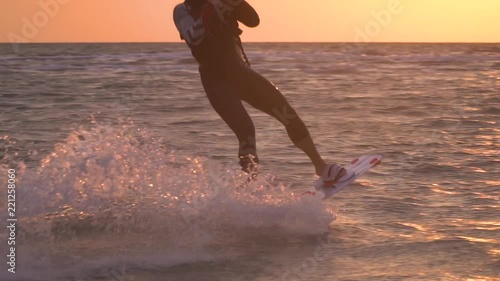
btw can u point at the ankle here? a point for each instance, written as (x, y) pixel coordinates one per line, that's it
(320, 168)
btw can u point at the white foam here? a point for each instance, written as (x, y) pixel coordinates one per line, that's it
(110, 192)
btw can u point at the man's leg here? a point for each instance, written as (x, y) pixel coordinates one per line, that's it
(263, 95)
(228, 105)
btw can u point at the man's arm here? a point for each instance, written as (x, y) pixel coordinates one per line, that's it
(192, 31)
(246, 14)
(236, 9)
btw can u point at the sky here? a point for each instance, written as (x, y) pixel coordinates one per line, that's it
(32, 21)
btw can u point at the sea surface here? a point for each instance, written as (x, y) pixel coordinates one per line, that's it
(125, 172)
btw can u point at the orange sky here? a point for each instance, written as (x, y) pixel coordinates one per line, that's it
(281, 20)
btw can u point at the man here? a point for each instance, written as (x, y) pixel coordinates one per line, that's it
(210, 28)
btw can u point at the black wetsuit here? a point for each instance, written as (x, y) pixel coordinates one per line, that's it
(226, 74)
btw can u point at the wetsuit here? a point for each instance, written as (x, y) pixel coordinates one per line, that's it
(226, 74)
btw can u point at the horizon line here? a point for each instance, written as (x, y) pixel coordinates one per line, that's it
(259, 42)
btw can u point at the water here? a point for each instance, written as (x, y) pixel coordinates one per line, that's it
(125, 172)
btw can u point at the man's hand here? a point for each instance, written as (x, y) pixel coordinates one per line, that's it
(224, 8)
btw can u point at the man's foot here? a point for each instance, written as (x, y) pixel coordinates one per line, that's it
(249, 163)
(332, 173)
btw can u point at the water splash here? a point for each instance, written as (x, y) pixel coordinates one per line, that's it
(112, 191)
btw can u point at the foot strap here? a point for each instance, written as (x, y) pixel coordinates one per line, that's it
(331, 172)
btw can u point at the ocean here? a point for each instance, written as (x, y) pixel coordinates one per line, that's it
(123, 171)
